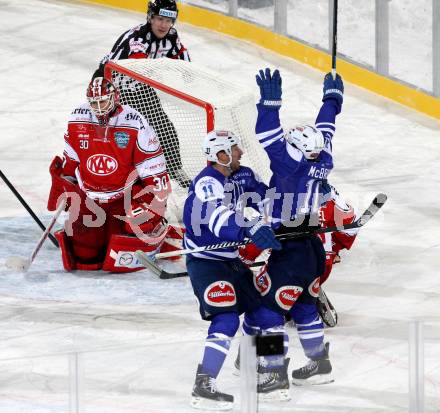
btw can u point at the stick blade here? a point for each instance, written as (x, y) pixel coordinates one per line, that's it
(377, 203)
(148, 262)
(380, 199)
(17, 263)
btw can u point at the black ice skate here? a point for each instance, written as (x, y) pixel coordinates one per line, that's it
(326, 310)
(273, 384)
(205, 395)
(316, 371)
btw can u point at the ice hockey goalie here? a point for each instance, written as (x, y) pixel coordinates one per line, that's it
(114, 176)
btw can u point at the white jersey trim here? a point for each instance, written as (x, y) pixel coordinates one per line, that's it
(191, 244)
(263, 135)
(223, 218)
(104, 195)
(214, 215)
(217, 347)
(145, 169)
(271, 141)
(70, 152)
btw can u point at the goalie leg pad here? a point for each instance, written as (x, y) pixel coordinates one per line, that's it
(69, 262)
(121, 250)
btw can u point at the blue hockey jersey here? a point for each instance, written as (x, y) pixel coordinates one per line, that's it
(300, 184)
(213, 211)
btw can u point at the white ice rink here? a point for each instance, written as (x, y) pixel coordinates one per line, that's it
(140, 338)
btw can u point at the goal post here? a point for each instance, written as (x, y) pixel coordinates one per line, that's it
(113, 67)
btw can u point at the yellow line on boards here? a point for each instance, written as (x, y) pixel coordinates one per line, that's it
(389, 88)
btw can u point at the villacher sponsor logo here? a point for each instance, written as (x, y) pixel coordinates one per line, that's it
(220, 294)
(287, 295)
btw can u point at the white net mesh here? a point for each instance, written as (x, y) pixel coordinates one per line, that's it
(180, 124)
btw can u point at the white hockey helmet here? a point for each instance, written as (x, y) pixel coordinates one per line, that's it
(308, 139)
(219, 140)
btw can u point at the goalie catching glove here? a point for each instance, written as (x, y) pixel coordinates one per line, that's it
(60, 184)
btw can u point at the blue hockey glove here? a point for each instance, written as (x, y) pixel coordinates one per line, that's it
(333, 89)
(263, 236)
(270, 87)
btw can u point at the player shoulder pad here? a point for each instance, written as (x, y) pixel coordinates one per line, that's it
(81, 113)
(148, 140)
(207, 188)
(139, 27)
(172, 33)
(133, 30)
(253, 174)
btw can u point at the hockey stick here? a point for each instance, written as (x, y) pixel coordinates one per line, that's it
(149, 260)
(23, 264)
(329, 316)
(27, 207)
(334, 37)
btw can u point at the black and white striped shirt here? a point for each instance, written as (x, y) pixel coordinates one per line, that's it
(141, 43)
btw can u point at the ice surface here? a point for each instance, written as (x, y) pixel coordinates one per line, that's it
(140, 338)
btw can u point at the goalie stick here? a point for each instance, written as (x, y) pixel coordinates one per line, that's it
(27, 207)
(326, 309)
(149, 260)
(22, 263)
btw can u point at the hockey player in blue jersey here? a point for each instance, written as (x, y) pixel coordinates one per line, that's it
(223, 285)
(301, 160)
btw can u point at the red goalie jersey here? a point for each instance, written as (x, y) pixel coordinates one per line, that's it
(108, 159)
(115, 180)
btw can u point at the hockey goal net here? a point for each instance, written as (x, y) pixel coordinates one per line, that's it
(183, 101)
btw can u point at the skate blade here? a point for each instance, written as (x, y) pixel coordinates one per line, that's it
(206, 404)
(276, 395)
(314, 380)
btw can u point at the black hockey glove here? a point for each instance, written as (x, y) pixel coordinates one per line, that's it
(333, 89)
(263, 236)
(270, 87)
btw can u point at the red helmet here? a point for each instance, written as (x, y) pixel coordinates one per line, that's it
(103, 98)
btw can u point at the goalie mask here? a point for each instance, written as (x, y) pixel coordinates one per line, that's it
(309, 140)
(164, 8)
(103, 98)
(219, 140)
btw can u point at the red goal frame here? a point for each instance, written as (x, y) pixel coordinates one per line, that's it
(209, 109)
